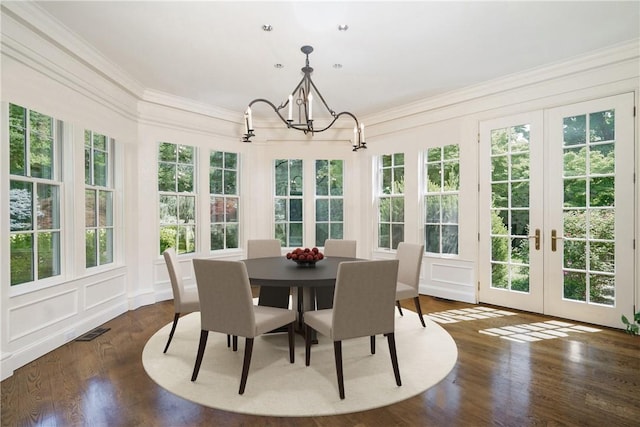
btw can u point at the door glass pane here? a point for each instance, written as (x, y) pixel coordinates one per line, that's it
(589, 201)
(510, 188)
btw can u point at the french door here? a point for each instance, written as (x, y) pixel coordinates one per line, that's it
(557, 211)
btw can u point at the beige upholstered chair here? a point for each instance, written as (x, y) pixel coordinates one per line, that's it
(410, 257)
(337, 248)
(363, 306)
(227, 307)
(184, 301)
(271, 296)
(340, 248)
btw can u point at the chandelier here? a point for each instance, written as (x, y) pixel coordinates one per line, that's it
(301, 99)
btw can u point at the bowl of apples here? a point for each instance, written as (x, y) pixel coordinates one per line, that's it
(305, 257)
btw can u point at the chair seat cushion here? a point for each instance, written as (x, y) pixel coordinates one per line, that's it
(404, 291)
(320, 320)
(270, 318)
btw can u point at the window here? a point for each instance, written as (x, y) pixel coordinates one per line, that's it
(223, 200)
(442, 172)
(98, 155)
(34, 195)
(288, 202)
(176, 177)
(390, 200)
(329, 200)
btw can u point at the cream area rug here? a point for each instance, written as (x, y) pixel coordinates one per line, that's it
(276, 387)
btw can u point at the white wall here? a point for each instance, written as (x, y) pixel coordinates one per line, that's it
(38, 73)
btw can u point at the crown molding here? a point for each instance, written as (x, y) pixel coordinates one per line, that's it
(36, 19)
(627, 51)
(189, 105)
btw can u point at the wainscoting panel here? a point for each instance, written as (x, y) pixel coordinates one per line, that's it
(450, 279)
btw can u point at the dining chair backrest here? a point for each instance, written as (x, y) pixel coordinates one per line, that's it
(263, 248)
(225, 297)
(410, 257)
(175, 277)
(364, 300)
(340, 248)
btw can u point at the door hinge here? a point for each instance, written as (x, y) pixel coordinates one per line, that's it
(634, 111)
(478, 237)
(478, 285)
(478, 137)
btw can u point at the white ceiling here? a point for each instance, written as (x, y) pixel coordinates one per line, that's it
(394, 52)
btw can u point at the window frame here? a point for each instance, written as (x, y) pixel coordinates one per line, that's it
(181, 198)
(282, 222)
(331, 200)
(395, 196)
(226, 198)
(441, 193)
(54, 181)
(108, 189)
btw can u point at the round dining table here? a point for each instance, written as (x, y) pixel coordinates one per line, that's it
(280, 272)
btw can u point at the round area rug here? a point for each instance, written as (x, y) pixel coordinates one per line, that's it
(276, 387)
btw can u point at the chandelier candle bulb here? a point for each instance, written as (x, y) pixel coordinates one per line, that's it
(355, 136)
(362, 132)
(249, 118)
(310, 101)
(290, 116)
(246, 124)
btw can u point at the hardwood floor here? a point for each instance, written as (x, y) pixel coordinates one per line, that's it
(583, 379)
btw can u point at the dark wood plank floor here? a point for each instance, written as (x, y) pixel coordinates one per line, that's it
(590, 379)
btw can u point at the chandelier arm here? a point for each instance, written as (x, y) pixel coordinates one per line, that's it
(272, 105)
(333, 113)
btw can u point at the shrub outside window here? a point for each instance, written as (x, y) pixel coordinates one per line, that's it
(329, 200)
(288, 202)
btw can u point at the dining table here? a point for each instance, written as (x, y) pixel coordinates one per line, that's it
(305, 279)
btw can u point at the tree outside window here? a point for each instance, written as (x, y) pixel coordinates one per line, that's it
(224, 200)
(442, 184)
(176, 177)
(34, 196)
(390, 200)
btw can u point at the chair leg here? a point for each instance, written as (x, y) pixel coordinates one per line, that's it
(228, 341)
(203, 343)
(399, 308)
(307, 345)
(173, 329)
(394, 357)
(416, 301)
(291, 343)
(235, 343)
(248, 349)
(337, 350)
(373, 344)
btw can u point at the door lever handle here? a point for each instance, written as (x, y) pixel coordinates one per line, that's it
(554, 239)
(537, 237)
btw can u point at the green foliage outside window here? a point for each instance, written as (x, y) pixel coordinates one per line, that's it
(288, 202)
(329, 200)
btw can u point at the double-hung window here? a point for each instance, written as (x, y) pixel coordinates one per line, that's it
(176, 187)
(224, 200)
(329, 200)
(288, 202)
(98, 195)
(35, 189)
(390, 200)
(441, 188)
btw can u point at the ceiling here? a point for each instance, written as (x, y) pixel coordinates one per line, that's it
(393, 53)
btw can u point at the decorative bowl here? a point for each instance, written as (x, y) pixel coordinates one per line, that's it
(305, 257)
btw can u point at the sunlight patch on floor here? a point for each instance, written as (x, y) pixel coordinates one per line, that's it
(464, 314)
(529, 332)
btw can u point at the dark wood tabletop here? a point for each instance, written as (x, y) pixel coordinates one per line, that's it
(280, 271)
